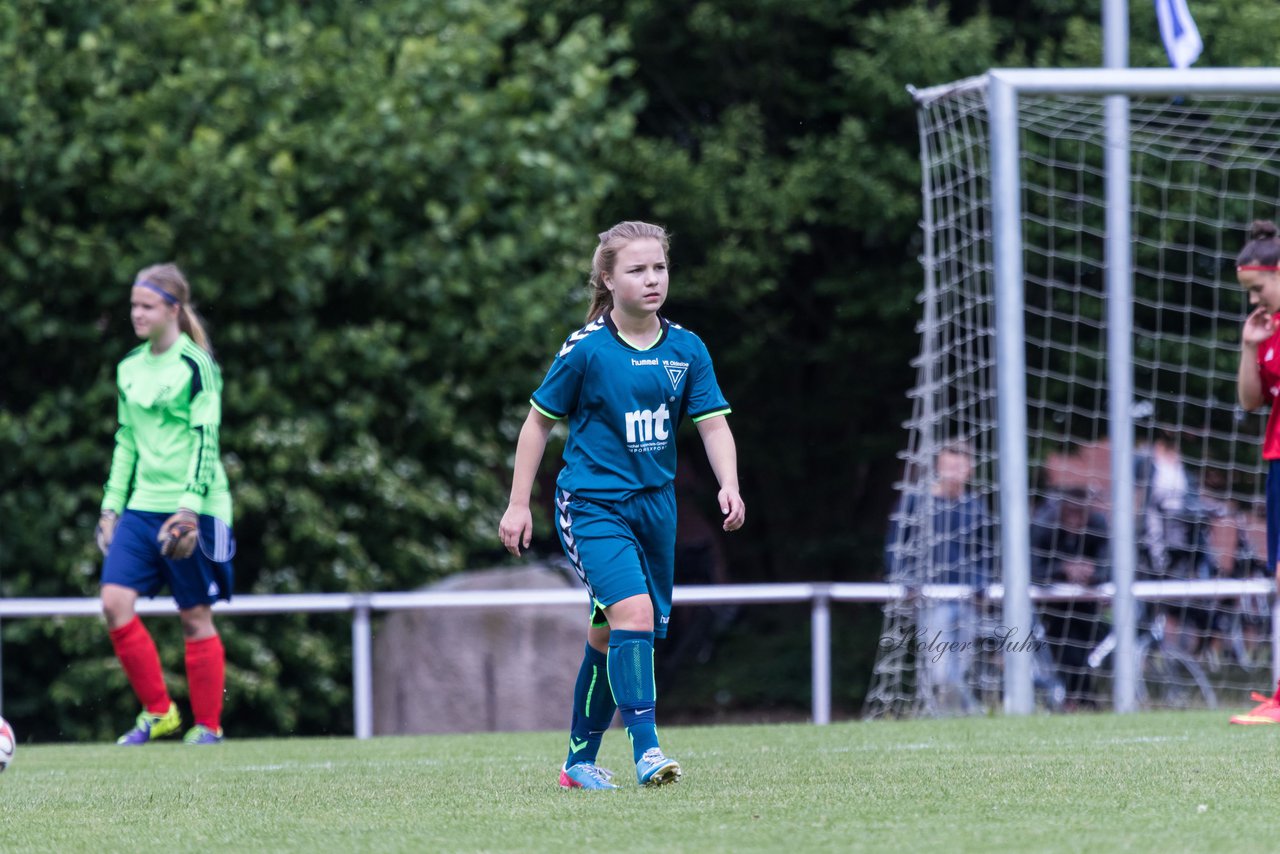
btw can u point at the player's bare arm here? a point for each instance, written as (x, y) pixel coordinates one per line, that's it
(722, 453)
(1258, 327)
(516, 528)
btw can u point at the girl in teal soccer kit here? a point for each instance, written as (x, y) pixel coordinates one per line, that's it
(623, 383)
(166, 508)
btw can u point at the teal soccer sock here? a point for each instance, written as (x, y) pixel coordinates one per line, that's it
(631, 678)
(593, 708)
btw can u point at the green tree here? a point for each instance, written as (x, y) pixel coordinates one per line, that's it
(382, 209)
(386, 210)
(779, 145)
(779, 142)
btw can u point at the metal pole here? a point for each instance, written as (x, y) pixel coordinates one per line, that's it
(1115, 33)
(1011, 383)
(1119, 260)
(820, 654)
(362, 667)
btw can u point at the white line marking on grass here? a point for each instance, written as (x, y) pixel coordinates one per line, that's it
(876, 748)
(1148, 739)
(283, 766)
(328, 766)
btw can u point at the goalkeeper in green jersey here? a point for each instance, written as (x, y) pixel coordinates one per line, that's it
(166, 508)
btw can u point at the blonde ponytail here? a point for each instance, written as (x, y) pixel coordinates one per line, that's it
(190, 323)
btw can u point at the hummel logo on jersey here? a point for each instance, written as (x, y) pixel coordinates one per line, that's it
(645, 425)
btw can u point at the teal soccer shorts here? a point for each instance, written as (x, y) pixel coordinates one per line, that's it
(621, 549)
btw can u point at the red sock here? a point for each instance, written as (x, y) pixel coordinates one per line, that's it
(137, 653)
(206, 677)
(1276, 695)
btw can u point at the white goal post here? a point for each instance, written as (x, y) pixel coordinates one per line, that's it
(1005, 88)
(1205, 140)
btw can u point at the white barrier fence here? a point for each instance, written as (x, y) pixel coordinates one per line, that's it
(819, 596)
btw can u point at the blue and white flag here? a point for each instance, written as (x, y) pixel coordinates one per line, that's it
(1181, 38)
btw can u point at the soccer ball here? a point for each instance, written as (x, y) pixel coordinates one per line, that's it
(8, 742)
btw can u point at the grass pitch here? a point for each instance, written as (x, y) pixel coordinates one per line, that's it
(1149, 782)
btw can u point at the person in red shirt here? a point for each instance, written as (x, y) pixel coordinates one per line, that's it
(1258, 383)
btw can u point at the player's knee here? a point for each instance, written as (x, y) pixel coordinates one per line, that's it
(598, 638)
(117, 617)
(197, 623)
(117, 606)
(634, 613)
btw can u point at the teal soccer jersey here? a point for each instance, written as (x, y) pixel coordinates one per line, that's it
(167, 454)
(623, 405)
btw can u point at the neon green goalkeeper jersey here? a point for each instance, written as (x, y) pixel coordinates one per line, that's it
(166, 455)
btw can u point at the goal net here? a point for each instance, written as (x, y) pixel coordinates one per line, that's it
(1202, 169)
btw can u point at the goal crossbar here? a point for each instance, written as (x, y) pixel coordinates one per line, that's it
(1113, 81)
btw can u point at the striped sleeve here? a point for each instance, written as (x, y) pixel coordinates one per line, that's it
(705, 398)
(205, 420)
(704, 416)
(558, 395)
(124, 459)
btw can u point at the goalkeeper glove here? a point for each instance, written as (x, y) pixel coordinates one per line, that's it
(106, 530)
(177, 535)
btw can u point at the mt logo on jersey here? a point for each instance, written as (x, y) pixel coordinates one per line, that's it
(646, 425)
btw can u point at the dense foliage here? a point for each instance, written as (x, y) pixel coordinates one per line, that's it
(386, 210)
(382, 210)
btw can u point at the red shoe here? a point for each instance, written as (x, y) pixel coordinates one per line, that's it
(1266, 712)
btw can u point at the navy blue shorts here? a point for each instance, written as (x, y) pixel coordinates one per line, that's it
(134, 560)
(1273, 515)
(622, 549)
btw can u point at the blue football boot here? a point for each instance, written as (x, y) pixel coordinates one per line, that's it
(654, 769)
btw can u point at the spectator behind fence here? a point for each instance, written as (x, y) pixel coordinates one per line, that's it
(1229, 555)
(1174, 529)
(1174, 534)
(1069, 545)
(943, 535)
